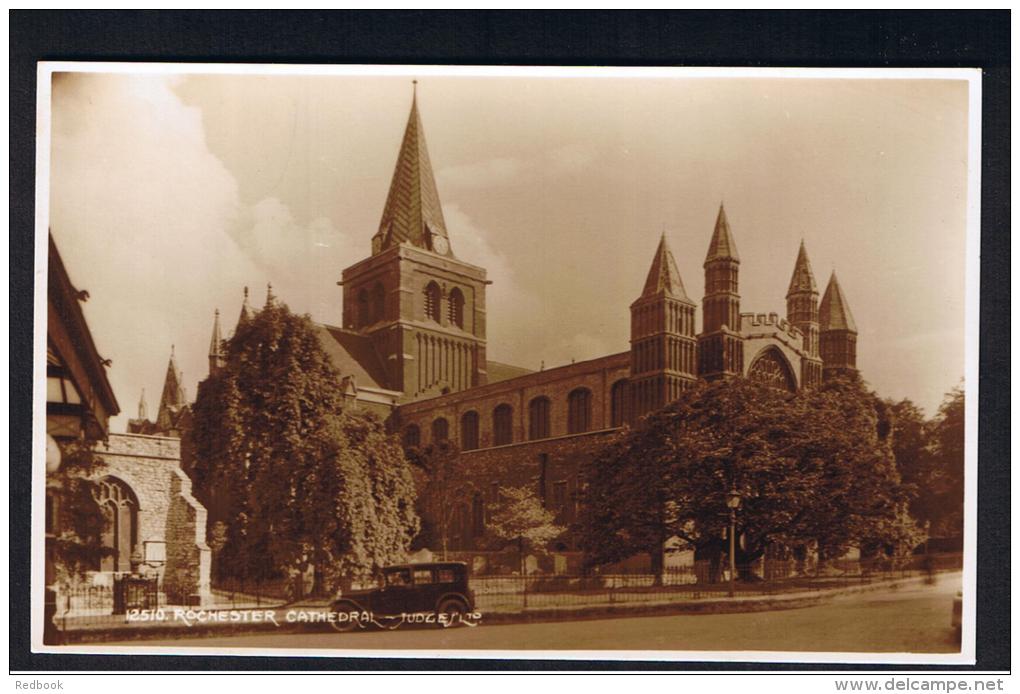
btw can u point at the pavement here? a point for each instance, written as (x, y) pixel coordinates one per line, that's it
(193, 623)
(913, 618)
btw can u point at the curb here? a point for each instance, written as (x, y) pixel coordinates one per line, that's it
(788, 601)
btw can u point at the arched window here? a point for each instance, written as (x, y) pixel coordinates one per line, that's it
(378, 302)
(579, 411)
(440, 430)
(432, 299)
(619, 401)
(538, 418)
(469, 431)
(771, 368)
(412, 436)
(119, 507)
(455, 308)
(502, 425)
(363, 313)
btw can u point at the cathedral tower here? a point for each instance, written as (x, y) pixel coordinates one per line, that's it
(421, 307)
(802, 313)
(720, 347)
(838, 338)
(662, 342)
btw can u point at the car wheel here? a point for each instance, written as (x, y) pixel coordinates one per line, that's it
(346, 625)
(454, 610)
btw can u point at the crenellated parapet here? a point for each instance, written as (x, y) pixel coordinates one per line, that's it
(770, 323)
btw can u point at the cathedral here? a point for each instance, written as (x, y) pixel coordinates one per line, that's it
(412, 348)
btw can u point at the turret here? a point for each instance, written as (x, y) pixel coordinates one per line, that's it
(838, 335)
(246, 310)
(802, 313)
(720, 347)
(173, 401)
(663, 346)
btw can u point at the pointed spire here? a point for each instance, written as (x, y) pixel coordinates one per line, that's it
(246, 311)
(173, 393)
(834, 311)
(216, 346)
(270, 297)
(143, 409)
(803, 280)
(663, 275)
(722, 246)
(413, 213)
(216, 343)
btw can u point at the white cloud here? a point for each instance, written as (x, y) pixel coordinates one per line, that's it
(140, 210)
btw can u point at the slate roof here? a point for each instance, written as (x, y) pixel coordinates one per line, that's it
(834, 311)
(498, 371)
(664, 276)
(802, 280)
(722, 246)
(412, 210)
(353, 355)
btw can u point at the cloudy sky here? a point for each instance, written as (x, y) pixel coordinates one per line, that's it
(170, 193)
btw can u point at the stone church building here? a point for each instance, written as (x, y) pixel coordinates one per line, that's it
(413, 348)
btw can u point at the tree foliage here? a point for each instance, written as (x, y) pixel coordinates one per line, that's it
(443, 479)
(77, 546)
(296, 479)
(812, 469)
(519, 517)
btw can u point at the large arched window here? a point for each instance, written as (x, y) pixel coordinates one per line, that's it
(502, 425)
(119, 507)
(579, 411)
(412, 436)
(771, 368)
(432, 301)
(469, 431)
(619, 403)
(378, 302)
(455, 308)
(538, 418)
(440, 430)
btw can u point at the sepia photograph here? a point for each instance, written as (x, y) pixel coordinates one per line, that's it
(490, 362)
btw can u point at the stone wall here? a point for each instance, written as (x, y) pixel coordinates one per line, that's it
(167, 511)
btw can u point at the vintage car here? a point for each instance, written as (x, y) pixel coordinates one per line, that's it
(429, 593)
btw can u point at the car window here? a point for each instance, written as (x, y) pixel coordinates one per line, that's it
(400, 577)
(446, 576)
(422, 577)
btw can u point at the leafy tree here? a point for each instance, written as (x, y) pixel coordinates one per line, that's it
(947, 471)
(812, 468)
(71, 491)
(295, 478)
(519, 517)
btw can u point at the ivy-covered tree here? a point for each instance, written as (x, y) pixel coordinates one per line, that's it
(813, 468)
(71, 491)
(295, 479)
(443, 478)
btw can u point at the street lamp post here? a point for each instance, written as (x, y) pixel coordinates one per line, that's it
(733, 502)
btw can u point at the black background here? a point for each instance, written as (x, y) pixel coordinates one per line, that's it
(693, 38)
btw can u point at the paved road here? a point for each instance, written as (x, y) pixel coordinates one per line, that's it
(912, 619)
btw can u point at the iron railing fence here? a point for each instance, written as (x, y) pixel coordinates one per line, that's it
(93, 607)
